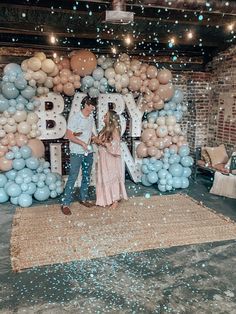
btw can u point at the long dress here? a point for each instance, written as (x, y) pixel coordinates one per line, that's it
(110, 185)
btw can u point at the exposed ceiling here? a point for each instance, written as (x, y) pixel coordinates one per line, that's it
(160, 28)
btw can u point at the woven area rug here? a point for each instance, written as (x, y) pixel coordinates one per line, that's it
(42, 235)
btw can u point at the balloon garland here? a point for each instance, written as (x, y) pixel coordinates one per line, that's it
(24, 172)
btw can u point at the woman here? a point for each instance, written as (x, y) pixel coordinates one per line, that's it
(110, 187)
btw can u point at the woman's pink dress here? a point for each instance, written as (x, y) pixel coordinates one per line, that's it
(110, 185)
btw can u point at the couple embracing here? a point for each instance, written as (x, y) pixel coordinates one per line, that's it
(81, 132)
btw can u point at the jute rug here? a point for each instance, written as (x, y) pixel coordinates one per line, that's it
(43, 235)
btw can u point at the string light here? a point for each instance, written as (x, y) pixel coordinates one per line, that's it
(190, 35)
(53, 39)
(128, 40)
(113, 50)
(230, 27)
(54, 55)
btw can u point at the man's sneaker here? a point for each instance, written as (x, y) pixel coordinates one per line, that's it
(66, 210)
(86, 203)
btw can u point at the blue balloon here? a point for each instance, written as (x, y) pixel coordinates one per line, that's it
(167, 106)
(176, 170)
(98, 74)
(172, 105)
(25, 172)
(172, 151)
(87, 81)
(162, 181)
(11, 110)
(169, 112)
(158, 165)
(187, 161)
(9, 155)
(11, 174)
(145, 181)
(3, 196)
(3, 180)
(52, 186)
(93, 92)
(4, 104)
(178, 96)
(185, 183)
(26, 151)
(19, 179)
(42, 194)
(31, 188)
(14, 200)
(172, 159)
(144, 169)
(32, 163)
(35, 178)
(59, 189)
(162, 113)
(13, 190)
(152, 115)
(176, 158)
(53, 194)
(25, 200)
(177, 182)
(152, 177)
(151, 166)
(20, 83)
(27, 179)
(168, 187)
(184, 150)
(145, 161)
(104, 82)
(170, 181)
(9, 90)
(187, 172)
(12, 68)
(28, 92)
(169, 176)
(162, 173)
(161, 188)
(166, 165)
(18, 164)
(21, 100)
(24, 186)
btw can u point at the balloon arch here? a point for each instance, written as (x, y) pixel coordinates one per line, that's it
(24, 173)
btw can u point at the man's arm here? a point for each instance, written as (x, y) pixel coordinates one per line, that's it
(71, 137)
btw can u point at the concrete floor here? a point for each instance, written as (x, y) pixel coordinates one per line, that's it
(187, 279)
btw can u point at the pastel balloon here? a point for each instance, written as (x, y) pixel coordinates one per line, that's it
(21, 140)
(187, 161)
(13, 190)
(87, 81)
(152, 177)
(135, 83)
(164, 76)
(34, 63)
(162, 131)
(3, 180)
(3, 196)
(184, 151)
(187, 172)
(178, 96)
(5, 164)
(9, 90)
(176, 170)
(32, 163)
(151, 72)
(162, 173)
(166, 91)
(147, 134)
(25, 151)
(110, 73)
(40, 55)
(145, 181)
(50, 178)
(28, 92)
(12, 68)
(20, 83)
(83, 62)
(185, 183)
(177, 182)
(42, 194)
(48, 65)
(18, 164)
(152, 151)
(25, 200)
(141, 150)
(153, 84)
(31, 188)
(170, 120)
(23, 127)
(69, 89)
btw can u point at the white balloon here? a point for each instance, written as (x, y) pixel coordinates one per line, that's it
(161, 121)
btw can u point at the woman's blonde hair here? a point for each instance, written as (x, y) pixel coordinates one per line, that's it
(112, 126)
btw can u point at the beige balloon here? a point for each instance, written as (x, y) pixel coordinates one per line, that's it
(37, 146)
(164, 76)
(153, 84)
(24, 65)
(69, 89)
(166, 91)
(21, 139)
(20, 116)
(34, 64)
(5, 164)
(40, 55)
(48, 65)
(152, 151)
(147, 134)
(141, 150)
(135, 65)
(10, 128)
(151, 72)
(135, 83)
(24, 127)
(32, 118)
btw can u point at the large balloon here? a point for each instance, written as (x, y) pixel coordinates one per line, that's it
(166, 91)
(141, 150)
(37, 147)
(83, 62)
(164, 76)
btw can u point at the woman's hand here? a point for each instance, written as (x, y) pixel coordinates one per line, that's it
(77, 133)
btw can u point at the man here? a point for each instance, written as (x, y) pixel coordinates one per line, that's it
(80, 128)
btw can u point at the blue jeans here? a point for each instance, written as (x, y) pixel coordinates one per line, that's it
(76, 161)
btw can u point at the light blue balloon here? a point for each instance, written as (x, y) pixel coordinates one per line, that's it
(93, 92)
(96, 84)
(9, 155)
(59, 182)
(170, 181)
(31, 188)
(102, 89)
(166, 165)
(14, 200)
(162, 173)
(177, 182)
(20, 107)
(167, 106)
(32, 163)
(185, 183)
(187, 161)
(152, 160)
(176, 158)
(152, 177)
(40, 183)
(28, 92)
(35, 178)
(162, 113)
(187, 172)
(178, 115)
(152, 115)
(151, 167)
(26, 151)
(17, 155)
(3, 196)
(176, 170)
(184, 150)
(172, 151)
(172, 105)
(24, 186)
(20, 83)
(104, 82)
(11, 110)
(145, 161)
(18, 164)
(161, 188)
(12, 68)
(4, 104)
(144, 169)
(168, 187)
(52, 186)
(15, 149)
(3, 180)
(42, 194)
(46, 171)
(13, 190)
(26, 172)
(162, 181)
(169, 176)
(98, 74)
(169, 112)
(53, 194)
(11, 174)
(36, 102)
(27, 180)
(87, 81)
(30, 106)
(19, 179)
(9, 90)
(42, 177)
(46, 164)
(12, 102)
(39, 169)
(158, 165)
(145, 181)
(25, 200)
(178, 96)
(21, 100)
(59, 190)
